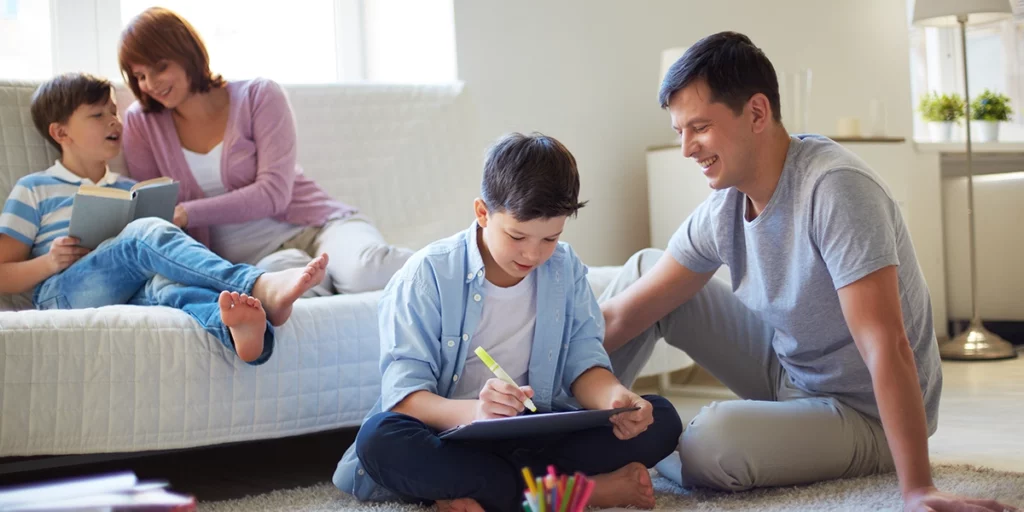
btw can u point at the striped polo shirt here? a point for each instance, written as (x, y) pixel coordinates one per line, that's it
(39, 207)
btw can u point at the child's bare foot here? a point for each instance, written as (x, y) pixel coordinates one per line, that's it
(627, 486)
(279, 290)
(247, 322)
(459, 505)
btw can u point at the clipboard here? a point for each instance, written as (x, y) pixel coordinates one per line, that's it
(532, 425)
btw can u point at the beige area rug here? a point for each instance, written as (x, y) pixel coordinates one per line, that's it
(870, 493)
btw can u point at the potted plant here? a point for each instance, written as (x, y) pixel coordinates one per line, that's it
(941, 111)
(987, 110)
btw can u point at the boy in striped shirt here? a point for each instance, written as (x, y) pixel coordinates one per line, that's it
(151, 262)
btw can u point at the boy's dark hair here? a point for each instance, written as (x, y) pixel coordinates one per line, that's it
(733, 68)
(59, 97)
(531, 177)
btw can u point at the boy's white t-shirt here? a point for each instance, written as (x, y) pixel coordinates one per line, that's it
(244, 242)
(505, 331)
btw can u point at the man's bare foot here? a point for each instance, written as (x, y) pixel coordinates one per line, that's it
(247, 322)
(627, 486)
(279, 290)
(459, 505)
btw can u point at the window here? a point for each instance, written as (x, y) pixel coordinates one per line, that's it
(302, 41)
(995, 60)
(248, 38)
(25, 39)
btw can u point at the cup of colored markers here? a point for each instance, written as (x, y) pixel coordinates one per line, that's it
(556, 493)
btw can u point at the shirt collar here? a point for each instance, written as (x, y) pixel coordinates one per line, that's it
(59, 171)
(476, 261)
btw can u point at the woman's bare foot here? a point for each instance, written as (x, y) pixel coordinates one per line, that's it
(279, 290)
(459, 505)
(627, 486)
(247, 322)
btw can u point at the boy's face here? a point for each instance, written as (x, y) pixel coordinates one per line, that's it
(713, 135)
(516, 247)
(166, 82)
(92, 133)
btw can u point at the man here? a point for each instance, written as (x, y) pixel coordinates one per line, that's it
(827, 330)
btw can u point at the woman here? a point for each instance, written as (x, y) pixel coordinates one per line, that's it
(232, 147)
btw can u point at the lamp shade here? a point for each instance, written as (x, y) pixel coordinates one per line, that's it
(943, 13)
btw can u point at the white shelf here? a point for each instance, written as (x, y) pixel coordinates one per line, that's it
(977, 147)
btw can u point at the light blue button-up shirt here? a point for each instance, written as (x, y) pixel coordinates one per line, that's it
(430, 311)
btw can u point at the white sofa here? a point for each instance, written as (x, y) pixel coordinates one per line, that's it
(123, 379)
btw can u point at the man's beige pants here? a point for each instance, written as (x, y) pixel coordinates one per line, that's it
(776, 435)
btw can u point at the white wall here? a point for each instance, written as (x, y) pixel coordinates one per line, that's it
(586, 72)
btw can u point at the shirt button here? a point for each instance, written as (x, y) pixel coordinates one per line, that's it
(477, 297)
(465, 337)
(469, 275)
(455, 378)
(480, 273)
(451, 343)
(361, 472)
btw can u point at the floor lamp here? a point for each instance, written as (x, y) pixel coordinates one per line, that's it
(975, 343)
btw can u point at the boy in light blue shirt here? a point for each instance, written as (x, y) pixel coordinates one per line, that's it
(508, 285)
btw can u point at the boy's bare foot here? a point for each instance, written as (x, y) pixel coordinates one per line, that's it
(279, 290)
(627, 486)
(247, 322)
(459, 505)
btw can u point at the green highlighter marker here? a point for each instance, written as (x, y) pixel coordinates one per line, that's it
(499, 373)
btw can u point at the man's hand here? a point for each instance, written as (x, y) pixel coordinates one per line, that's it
(180, 217)
(63, 252)
(499, 399)
(628, 425)
(931, 500)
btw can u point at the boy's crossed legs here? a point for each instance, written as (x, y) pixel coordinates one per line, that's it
(153, 262)
(406, 456)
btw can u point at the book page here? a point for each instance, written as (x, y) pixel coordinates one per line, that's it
(155, 181)
(111, 192)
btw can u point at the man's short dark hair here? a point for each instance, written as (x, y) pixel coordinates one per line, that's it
(59, 97)
(531, 177)
(733, 68)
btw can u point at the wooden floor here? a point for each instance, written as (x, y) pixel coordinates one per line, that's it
(980, 420)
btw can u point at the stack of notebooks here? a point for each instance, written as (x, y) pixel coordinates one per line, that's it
(120, 491)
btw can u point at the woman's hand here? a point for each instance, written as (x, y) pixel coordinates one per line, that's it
(180, 217)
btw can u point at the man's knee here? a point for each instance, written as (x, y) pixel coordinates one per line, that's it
(644, 259)
(712, 448)
(664, 432)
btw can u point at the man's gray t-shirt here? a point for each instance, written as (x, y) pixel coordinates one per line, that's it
(830, 222)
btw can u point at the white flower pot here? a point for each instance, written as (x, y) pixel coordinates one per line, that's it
(940, 131)
(985, 131)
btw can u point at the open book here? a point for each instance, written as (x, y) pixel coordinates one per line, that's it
(99, 213)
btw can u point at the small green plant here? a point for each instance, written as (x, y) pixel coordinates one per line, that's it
(991, 106)
(936, 107)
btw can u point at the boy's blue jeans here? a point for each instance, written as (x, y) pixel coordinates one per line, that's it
(153, 263)
(405, 456)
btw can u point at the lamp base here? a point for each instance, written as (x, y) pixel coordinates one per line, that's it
(977, 344)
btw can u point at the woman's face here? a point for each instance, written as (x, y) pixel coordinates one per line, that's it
(165, 81)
